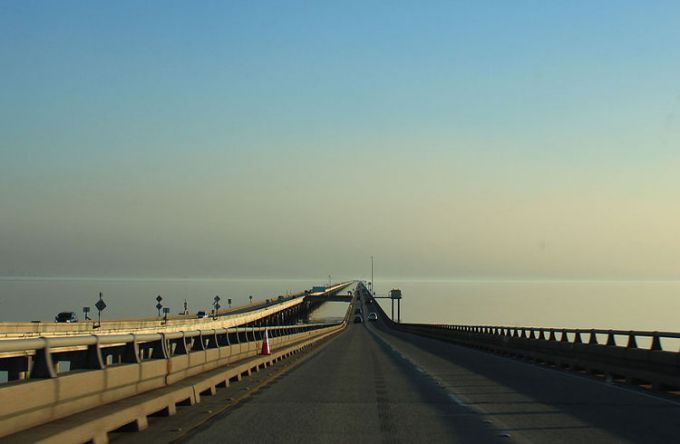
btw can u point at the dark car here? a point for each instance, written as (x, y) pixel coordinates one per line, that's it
(373, 316)
(66, 316)
(201, 314)
(358, 319)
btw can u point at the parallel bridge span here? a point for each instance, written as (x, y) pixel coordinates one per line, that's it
(258, 314)
(107, 368)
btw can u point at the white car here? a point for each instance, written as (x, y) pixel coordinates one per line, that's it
(373, 316)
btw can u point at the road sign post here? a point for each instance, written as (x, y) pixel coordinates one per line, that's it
(166, 310)
(216, 306)
(101, 305)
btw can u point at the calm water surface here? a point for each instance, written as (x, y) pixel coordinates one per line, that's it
(42, 298)
(579, 304)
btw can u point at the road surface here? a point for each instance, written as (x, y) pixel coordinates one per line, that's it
(355, 390)
(372, 384)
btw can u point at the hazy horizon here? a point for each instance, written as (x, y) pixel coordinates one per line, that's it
(450, 140)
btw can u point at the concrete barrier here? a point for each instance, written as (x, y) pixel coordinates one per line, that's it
(131, 413)
(616, 355)
(113, 368)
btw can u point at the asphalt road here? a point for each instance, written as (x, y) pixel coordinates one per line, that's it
(531, 403)
(355, 390)
(373, 384)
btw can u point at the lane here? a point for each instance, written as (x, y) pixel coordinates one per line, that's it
(531, 403)
(355, 390)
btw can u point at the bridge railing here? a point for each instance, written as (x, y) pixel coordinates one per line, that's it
(651, 340)
(227, 318)
(104, 369)
(48, 357)
(638, 357)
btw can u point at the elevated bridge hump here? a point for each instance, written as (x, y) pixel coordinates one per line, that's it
(239, 316)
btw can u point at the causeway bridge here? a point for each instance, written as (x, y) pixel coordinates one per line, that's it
(192, 380)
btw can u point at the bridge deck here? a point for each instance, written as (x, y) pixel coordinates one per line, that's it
(227, 318)
(372, 384)
(355, 390)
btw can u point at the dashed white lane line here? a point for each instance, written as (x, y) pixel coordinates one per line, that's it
(456, 400)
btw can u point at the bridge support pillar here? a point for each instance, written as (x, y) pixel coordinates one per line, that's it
(137, 425)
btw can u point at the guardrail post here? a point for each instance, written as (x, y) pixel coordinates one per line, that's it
(130, 353)
(180, 345)
(632, 343)
(541, 334)
(160, 352)
(43, 365)
(93, 357)
(198, 344)
(656, 342)
(611, 341)
(552, 336)
(212, 341)
(223, 340)
(577, 337)
(593, 338)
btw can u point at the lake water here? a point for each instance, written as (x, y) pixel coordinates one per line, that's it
(579, 304)
(42, 298)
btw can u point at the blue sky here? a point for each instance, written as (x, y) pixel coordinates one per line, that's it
(174, 138)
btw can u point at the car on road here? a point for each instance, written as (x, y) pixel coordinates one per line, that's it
(373, 316)
(201, 314)
(358, 319)
(66, 316)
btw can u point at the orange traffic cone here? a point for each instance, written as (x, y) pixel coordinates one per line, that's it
(265, 344)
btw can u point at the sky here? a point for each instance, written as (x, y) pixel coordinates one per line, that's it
(494, 139)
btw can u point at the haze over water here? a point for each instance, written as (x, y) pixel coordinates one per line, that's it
(523, 155)
(643, 305)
